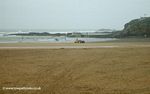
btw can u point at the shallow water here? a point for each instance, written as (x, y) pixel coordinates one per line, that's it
(61, 39)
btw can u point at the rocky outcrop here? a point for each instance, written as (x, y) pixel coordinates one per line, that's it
(138, 28)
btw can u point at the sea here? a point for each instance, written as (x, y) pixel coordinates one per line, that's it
(6, 37)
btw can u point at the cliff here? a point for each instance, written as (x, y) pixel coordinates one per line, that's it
(137, 28)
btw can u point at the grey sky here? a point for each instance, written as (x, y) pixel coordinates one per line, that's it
(70, 14)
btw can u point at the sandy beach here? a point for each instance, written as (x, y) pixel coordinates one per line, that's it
(124, 68)
(74, 46)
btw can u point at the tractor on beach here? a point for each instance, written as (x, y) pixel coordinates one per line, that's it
(79, 41)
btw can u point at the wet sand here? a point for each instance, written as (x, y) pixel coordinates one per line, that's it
(73, 45)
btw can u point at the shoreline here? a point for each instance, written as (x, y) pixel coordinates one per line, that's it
(109, 44)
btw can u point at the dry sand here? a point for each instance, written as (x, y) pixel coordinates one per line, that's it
(123, 70)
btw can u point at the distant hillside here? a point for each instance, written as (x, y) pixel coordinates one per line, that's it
(38, 34)
(105, 30)
(137, 27)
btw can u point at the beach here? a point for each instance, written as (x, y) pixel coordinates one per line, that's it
(115, 68)
(74, 46)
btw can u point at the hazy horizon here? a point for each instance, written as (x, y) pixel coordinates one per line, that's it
(70, 14)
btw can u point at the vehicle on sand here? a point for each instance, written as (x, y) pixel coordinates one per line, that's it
(79, 41)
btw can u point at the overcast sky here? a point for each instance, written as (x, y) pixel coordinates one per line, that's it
(70, 14)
